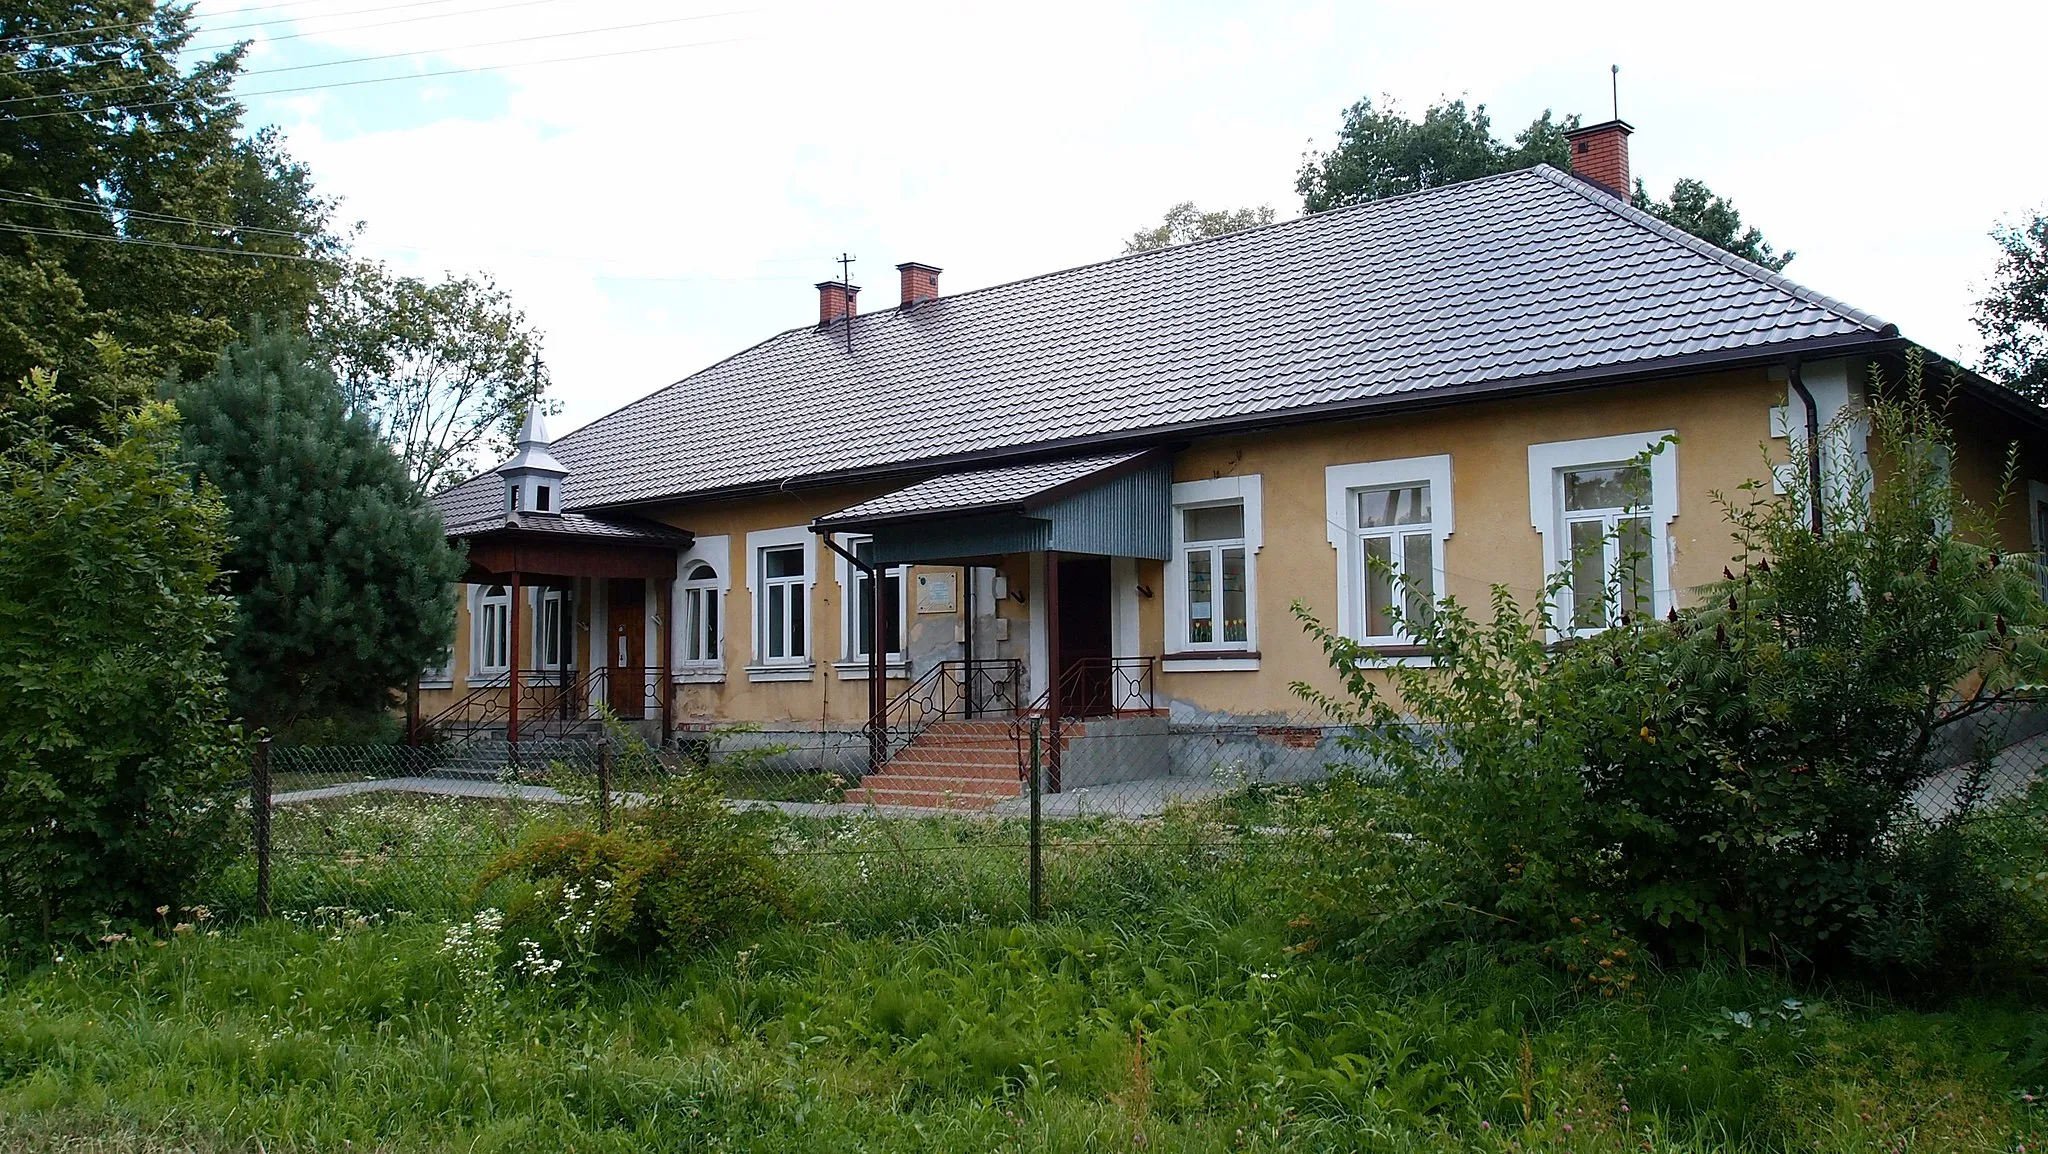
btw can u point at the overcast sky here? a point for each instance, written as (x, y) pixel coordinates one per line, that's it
(672, 201)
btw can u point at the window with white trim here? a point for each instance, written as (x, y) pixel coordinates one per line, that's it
(1606, 514)
(1388, 521)
(781, 601)
(490, 630)
(858, 621)
(549, 642)
(700, 615)
(1212, 604)
(1395, 537)
(1603, 506)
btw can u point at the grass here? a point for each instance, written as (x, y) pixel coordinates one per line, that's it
(1160, 1007)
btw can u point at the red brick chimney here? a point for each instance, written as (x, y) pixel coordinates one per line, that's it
(836, 300)
(920, 282)
(1600, 154)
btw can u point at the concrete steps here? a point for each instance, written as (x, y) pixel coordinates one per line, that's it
(955, 765)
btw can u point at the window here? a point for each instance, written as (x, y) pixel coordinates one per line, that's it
(549, 641)
(1213, 560)
(1603, 517)
(1607, 542)
(782, 601)
(1388, 521)
(1212, 604)
(491, 630)
(541, 497)
(700, 615)
(1396, 558)
(859, 623)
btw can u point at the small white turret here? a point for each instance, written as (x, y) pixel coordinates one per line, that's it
(533, 477)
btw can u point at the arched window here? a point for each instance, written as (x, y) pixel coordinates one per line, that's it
(490, 642)
(701, 615)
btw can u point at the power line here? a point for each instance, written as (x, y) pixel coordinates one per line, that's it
(396, 55)
(100, 29)
(129, 108)
(103, 211)
(145, 242)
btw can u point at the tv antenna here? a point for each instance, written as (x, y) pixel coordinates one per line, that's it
(1614, 77)
(846, 260)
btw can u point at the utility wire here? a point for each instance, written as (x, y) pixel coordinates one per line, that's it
(104, 211)
(130, 108)
(396, 55)
(100, 29)
(216, 250)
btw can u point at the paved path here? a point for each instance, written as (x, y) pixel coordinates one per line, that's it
(1146, 797)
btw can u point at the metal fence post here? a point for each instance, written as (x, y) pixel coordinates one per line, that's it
(604, 786)
(1037, 829)
(259, 809)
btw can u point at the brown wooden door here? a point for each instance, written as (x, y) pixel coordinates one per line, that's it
(1084, 625)
(626, 619)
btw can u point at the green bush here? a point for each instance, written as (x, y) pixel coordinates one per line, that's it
(117, 770)
(677, 872)
(1739, 777)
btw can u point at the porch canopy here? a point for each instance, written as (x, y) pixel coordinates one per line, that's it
(1114, 506)
(568, 545)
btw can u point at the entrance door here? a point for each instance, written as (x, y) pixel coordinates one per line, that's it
(626, 616)
(1084, 637)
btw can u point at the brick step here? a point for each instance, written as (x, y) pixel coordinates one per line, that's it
(940, 755)
(999, 787)
(965, 771)
(926, 799)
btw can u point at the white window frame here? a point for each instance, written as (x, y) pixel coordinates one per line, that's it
(787, 668)
(2037, 500)
(481, 602)
(538, 600)
(1184, 656)
(853, 664)
(717, 553)
(1341, 486)
(1548, 462)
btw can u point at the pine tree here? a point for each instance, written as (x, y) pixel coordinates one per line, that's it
(340, 571)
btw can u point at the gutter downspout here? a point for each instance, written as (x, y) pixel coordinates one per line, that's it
(1813, 470)
(878, 688)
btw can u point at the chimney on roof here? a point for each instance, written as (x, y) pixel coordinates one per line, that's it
(920, 282)
(1600, 154)
(835, 300)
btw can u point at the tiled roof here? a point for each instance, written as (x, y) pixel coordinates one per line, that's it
(1503, 282)
(474, 508)
(978, 489)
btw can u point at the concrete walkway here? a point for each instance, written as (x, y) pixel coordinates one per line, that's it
(1144, 798)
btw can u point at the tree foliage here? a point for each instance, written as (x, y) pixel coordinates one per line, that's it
(340, 572)
(1184, 222)
(125, 179)
(1694, 208)
(1381, 153)
(2012, 318)
(444, 370)
(1738, 778)
(116, 766)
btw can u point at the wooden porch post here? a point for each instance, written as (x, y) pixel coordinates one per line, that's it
(512, 660)
(878, 670)
(667, 621)
(1055, 703)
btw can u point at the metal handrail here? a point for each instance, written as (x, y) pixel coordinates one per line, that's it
(544, 695)
(949, 689)
(1131, 690)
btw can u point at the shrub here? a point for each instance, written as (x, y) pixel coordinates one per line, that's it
(678, 871)
(117, 770)
(1739, 776)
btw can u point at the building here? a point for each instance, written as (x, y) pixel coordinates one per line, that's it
(1097, 493)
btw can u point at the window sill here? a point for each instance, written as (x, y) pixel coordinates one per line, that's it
(437, 683)
(778, 673)
(1211, 661)
(858, 670)
(1395, 653)
(706, 675)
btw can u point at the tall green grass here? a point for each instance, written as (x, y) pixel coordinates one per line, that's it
(1164, 1005)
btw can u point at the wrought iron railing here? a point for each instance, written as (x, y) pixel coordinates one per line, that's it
(550, 702)
(953, 689)
(1090, 687)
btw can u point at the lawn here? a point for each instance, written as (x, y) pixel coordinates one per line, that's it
(1161, 1005)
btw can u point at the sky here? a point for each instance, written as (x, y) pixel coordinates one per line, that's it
(670, 198)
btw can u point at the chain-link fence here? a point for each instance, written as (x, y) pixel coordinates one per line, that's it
(983, 818)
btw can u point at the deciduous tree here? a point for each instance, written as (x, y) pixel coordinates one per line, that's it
(1184, 222)
(2013, 316)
